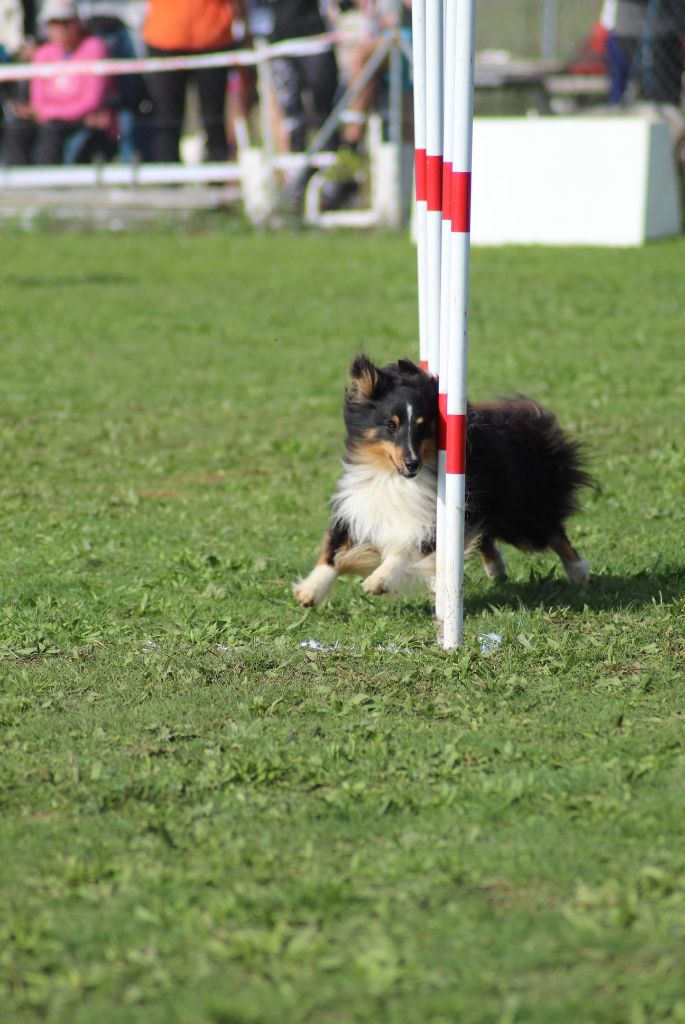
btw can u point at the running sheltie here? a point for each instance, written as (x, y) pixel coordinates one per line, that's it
(522, 479)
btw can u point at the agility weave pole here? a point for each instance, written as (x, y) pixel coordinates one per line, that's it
(443, 49)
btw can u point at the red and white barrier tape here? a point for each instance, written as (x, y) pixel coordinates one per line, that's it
(146, 65)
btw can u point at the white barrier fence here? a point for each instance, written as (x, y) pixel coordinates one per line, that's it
(259, 171)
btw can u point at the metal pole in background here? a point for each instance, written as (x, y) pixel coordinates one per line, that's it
(550, 24)
(395, 112)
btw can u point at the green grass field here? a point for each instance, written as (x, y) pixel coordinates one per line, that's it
(204, 822)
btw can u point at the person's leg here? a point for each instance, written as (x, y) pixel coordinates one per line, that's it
(95, 146)
(50, 143)
(211, 86)
(75, 145)
(20, 136)
(287, 79)
(321, 71)
(353, 129)
(320, 75)
(620, 56)
(167, 91)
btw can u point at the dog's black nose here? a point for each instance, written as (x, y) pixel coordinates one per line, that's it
(412, 466)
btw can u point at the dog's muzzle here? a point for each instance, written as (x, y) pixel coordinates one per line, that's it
(411, 467)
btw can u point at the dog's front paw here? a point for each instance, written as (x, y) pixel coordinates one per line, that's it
(315, 587)
(376, 583)
(304, 595)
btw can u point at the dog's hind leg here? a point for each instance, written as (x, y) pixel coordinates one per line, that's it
(360, 560)
(492, 558)
(575, 567)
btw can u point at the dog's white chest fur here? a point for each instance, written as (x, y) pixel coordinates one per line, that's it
(387, 510)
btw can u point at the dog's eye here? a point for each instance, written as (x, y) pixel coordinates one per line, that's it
(392, 426)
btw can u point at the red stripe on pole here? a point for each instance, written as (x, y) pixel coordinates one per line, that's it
(434, 183)
(424, 365)
(442, 421)
(420, 174)
(446, 190)
(461, 201)
(456, 443)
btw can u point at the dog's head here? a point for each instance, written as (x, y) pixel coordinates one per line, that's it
(391, 416)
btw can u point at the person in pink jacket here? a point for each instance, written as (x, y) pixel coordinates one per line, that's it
(65, 112)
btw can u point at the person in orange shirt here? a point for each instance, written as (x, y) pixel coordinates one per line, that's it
(176, 27)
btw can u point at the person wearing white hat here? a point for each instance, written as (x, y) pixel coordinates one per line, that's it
(59, 10)
(67, 116)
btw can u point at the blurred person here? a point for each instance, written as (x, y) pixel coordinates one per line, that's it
(17, 26)
(180, 27)
(17, 21)
(646, 42)
(366, 21)
(129, 96)
(305, 87)
(66, 117)
(362, 24)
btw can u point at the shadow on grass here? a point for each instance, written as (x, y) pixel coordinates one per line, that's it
(606, 593)
(67, 280)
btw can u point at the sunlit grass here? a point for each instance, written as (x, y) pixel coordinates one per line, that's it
(204, 820)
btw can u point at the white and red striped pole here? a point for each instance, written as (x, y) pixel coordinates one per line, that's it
(434, 146)
(454, 423)
(448, 115)
(418, 28)
(443, 51)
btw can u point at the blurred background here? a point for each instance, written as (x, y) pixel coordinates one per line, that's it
(271, 116)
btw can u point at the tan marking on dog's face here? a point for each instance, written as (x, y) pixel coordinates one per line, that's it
(420, 421)
(395, 419)
(429, 449)
(382, 455)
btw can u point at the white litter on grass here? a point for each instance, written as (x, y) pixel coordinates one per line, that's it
(315, 645)
(489, 642)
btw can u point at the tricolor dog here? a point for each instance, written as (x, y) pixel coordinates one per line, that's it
(523, 475)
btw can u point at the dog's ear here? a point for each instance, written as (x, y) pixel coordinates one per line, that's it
(406, 366)
(364, 379)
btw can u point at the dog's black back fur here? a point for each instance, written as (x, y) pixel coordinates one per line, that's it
(522, 473)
